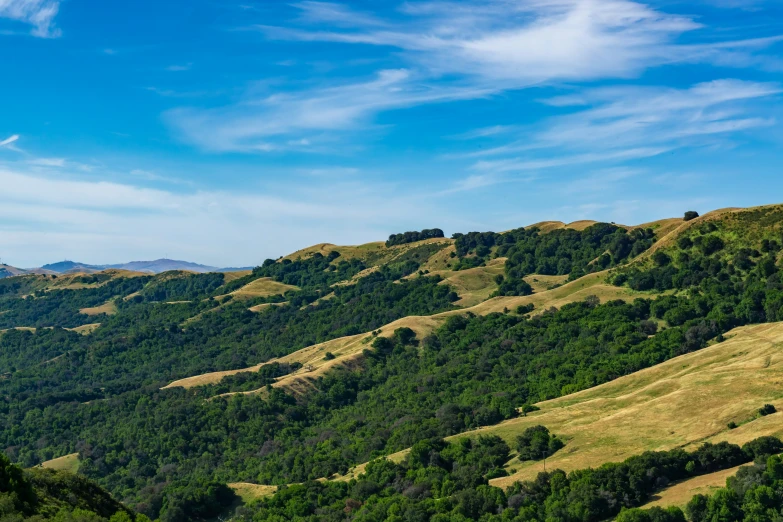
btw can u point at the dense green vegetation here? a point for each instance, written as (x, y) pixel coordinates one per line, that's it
(536, 443)
(412, 237)
(560, 252)
(472, 372)
(169, 453)
(42, 494)
(442, 481)
(61, 307)
(177, 288)
(754, 494)
(317, 271)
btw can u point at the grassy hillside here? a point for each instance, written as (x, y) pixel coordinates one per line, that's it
(310, 365)
(680, 403)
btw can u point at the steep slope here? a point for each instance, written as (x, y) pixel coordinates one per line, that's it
(680, 403)
(44, 494)
(361, 385)
(345, 349)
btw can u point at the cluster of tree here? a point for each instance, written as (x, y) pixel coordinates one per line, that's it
(473, 371)
(39, 495)
(412, 237)
(61, 307)
(315, 271)
(442, 482)
(536, 443)
(754, 494)
(174, 287)
(560, 252)
(165, 450)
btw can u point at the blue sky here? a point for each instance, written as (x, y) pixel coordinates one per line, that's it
(225, 133)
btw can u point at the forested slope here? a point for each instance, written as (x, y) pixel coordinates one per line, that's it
(636, 297)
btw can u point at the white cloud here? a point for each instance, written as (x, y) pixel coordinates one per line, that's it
(631, 122)
(9, 140)
(254, 125)
(38, 13)
(451, 51)
(524, 42)
(47, 162)
(45, 218)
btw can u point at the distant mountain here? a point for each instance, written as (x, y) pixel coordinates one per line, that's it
(163, 265)
(153, 267)
(64, 267)
(235, 269)
(10, 271)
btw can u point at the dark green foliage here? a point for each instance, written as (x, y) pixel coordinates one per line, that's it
(412, 237)
(61, 307)
(767, 409)
(199, 500)
(442, 481)
(655, 514)
(315, 271)
(525, 309)
(560, 252)
(471, 372)
(167, 452)
(537, 443)
(762, 447)
(195, 286)
(690, 215)
(43, 494)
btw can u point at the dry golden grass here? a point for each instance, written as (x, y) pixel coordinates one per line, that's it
(661, 227)
(85, 329)
(108, 308)
(548, 226)
(681, 493)
(263, 287)
(263, 306)
(231, 276)
(372, 254)
(367, 250)
(440, 260)
(473, 285)
(542, 283)
(680, 403)
(209, 378)
(250, 492)
(591, 284)
(347, 349)
(22, 328)
(64, 463)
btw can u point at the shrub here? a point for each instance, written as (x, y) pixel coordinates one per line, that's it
(689, 215)
(537, 443)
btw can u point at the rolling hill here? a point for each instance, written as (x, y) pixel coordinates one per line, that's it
(437, 354)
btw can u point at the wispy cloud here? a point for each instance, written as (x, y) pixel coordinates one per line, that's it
(451, 51)
(255, 125)
(8, 143)
(525, 42)
(108, 217)
(179, 68)
(38, 13)
(47, 162)
(631, 122)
